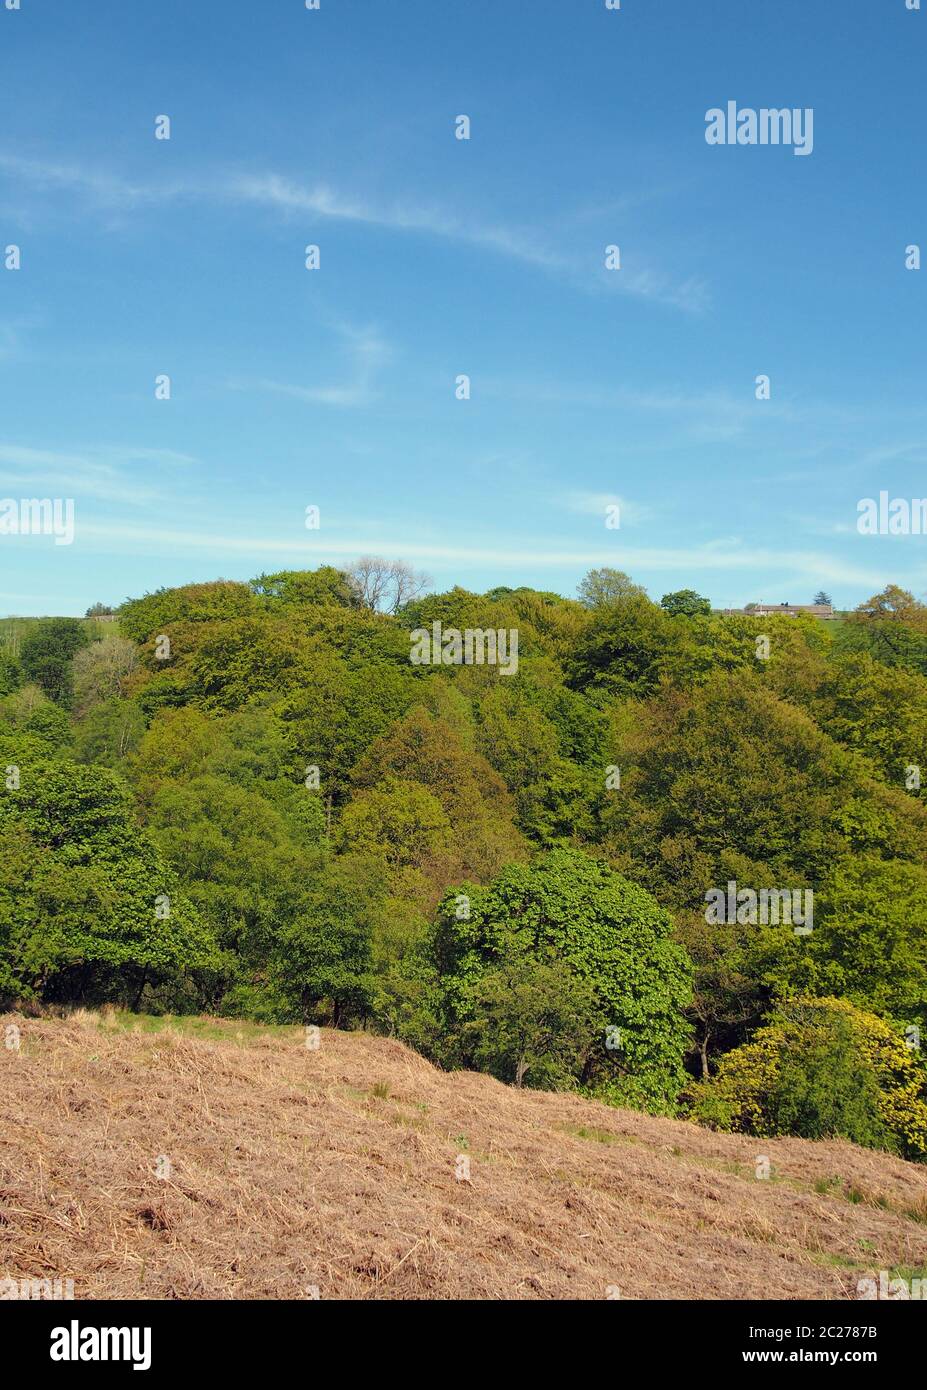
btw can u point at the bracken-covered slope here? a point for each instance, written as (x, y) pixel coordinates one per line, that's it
(293, 1170)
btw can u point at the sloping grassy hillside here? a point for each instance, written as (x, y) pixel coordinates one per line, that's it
(291, 1169)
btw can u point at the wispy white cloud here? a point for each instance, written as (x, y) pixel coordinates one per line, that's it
(819, 526)
(518, 243)
(272, 190)
(105, 473)
(912, 451)
(102, 187)
(694, 417)
(366, 353)
(721, 556)
(322, 201)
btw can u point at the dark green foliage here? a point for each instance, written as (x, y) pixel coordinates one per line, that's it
(324, 958)
(11, 672)
(825, 1089)
(46, 653)
(532, 1021)
(687, 602)
(622, 649)
(88, 909)
(109, 733)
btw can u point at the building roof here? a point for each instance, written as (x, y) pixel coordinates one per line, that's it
(817, 610)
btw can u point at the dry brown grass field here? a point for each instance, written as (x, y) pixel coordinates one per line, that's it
(335, 1169)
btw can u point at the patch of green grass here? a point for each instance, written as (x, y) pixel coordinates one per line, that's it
(353, 1092)
(827, 1257)
(858, 1197)
(721, 1165)
(918, 1212)
(835, 1187)
(600, 1136)
(209, 1027)
(13, 630)
(409, 1121)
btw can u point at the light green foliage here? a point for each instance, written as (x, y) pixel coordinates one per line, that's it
(604, 587)
(554, 798)
(400, 821)
(238, 660)
(324, 585)
(102, 669)
(340, 708)
(879, 710)
(424, 749)
(731, 781)
(145, 618)
(226, 808)
(870, 945)
(29, 711)
(889, 642)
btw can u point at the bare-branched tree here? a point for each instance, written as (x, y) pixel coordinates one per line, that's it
(385, 586)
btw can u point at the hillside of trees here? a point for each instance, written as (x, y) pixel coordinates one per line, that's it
(247, 800)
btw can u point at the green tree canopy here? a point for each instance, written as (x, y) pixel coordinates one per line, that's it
(685, 601)
(323, 585)
(533, 1019)
(601, 587)
(569, 910)
(88, 908)
(46, 654)
(822, 1069)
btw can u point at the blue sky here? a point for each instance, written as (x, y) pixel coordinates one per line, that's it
(336, 387)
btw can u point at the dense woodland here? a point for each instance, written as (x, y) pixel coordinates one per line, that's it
(245, 799)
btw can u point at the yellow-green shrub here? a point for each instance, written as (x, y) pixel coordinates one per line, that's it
(821, 1067)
